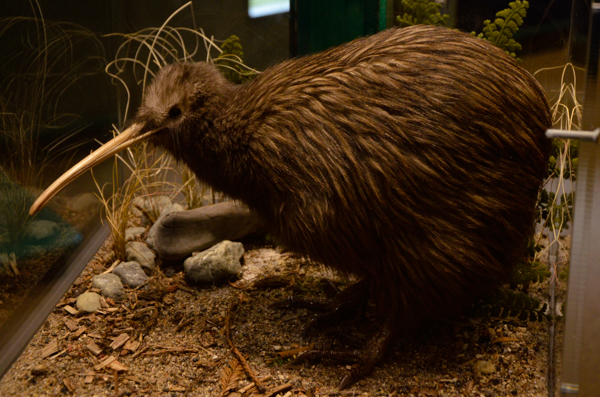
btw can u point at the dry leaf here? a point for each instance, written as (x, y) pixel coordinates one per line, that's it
(231, 376)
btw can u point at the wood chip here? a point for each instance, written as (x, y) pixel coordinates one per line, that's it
(119, 341)
(60, 353)
(69, 385)
(177, 388)
(71, 325)
(504, 339)
(95, 336)
(117, 366)
(251, 385)
(104, 363)
(71, 310)
(89, 379)
(50, 349)
(131, 345)
(79, 332)
(93, 347)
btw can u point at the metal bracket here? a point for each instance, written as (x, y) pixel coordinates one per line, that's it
(588, 136)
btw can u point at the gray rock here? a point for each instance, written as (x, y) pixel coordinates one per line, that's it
(176, 235)
(138, 202)
(485, 367)
(110, 285)
(4, 262)
(84, 202)
(131, 274)
(34, 251)
(68, 237)
(171, 208)
(216, 263)
(175, 207)
(140, 253)
(132, 232)
(153, 205)
(88, 302)
(157, 203)
(41, 229)
(4, 237)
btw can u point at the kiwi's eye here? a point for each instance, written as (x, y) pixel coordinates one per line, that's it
(174, 112)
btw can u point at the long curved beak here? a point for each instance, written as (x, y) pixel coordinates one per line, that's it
(123, 140)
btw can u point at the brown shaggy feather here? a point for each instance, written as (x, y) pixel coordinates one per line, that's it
(411, 158)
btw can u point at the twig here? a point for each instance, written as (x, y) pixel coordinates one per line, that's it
(142, 350)
(111, 268)
(173, 350)
(116, 376)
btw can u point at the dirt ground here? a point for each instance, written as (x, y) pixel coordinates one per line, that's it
(170, 339)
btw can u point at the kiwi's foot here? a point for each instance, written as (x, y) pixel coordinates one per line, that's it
(367, 358)
(343, 306)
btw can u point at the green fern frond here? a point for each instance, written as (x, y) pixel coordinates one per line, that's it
(511, 305)
(230, 61)
(504, 27)
(421, 12)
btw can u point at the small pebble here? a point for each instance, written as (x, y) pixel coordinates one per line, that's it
(39, 370)
(485, 367)
(140, 253)
(110, 285)
(88, 302)
(131, 274)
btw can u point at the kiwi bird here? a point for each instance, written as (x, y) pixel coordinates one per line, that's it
(410, 159)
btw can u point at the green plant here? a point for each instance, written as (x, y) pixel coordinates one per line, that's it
(421, 12)
(530, 270)
(231, 62)
(511, 305)
(140, 167)
(507, 23)
(14, 213)
(37, 74)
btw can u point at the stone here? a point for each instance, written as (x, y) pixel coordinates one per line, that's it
(175, 207)
(84, 202)
(140, 253)
(485, 367)
(88, 302)
(34, 251)
(39, 370)
(41, 229)
(153, 205)
(177, 235)
(132, 232)
(131, 274)
(216, 263)
(110, 285)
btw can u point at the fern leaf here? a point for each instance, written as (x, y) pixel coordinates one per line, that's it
(504, 27)
(511, 305)
(231, 375)
(229, 62)
(421, 12)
